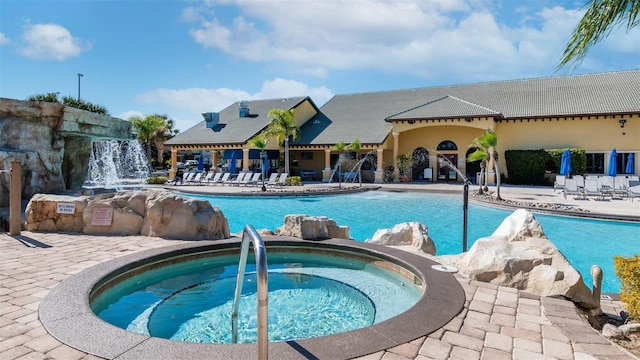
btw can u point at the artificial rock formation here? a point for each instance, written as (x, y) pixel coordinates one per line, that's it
(312, 228)
(406, 234)
(53, 143)
(148, 212)
(519, 255)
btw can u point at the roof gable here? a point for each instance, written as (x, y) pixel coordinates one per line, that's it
(444, 107)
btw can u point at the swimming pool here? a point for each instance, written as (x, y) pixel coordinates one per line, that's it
(584, 242)
(311, 294)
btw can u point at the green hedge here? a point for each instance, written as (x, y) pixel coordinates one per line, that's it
(157, 180)
(293, 181)
(528, 167)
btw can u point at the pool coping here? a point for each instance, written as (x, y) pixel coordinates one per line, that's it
(67, 316)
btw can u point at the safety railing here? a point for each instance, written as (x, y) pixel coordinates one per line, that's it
(251, 235)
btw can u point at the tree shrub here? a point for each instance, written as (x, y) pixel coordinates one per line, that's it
(628, 270)
(84, 105)
(578, 159)
(526, 167)
(48, 97)
(157, 180)
(293, 181)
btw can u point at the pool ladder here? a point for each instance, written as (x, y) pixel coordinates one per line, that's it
(250, 234)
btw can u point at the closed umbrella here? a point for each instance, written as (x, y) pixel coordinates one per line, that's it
(232, 163)
(201, 163)
(266, 162)
(629, 169)
(613, 163)
(565, 164)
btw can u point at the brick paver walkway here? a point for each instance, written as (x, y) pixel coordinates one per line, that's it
(496, 323)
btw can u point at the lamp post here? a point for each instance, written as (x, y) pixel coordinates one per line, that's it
(79, 76)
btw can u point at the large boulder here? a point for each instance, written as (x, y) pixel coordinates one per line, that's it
(518, 254)
(148, 212)
(312, 228)
(412, 234)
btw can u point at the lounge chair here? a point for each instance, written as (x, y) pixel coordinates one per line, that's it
(223, 180)
(238, 180)
(207, 178)
(633, 192)
(571, 188)
(579, 181)
(281, 180)
(620, 185)
(214, 179)
(591, 189)
(196, 179)
(272, 179)
(251, 179)
(559, 183)
(187, 178)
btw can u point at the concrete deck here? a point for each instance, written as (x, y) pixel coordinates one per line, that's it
(495, 323)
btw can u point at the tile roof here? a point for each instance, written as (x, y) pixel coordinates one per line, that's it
(362, 116)
(234, 129)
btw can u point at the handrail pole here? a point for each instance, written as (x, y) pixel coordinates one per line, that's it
(250, 234)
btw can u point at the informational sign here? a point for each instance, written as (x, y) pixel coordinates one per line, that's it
(102, 216)
(66, 208)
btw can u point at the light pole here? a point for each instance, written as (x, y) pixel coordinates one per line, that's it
(79, 76)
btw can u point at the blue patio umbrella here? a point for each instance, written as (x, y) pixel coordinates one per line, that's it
(201, 163)
(613, 162)
(629, 169)
(565, 164)
(232, 162)
(266, 162)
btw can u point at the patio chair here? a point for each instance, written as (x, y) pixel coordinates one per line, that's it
(579, 181)
(196, 179)
(559, 183)
(281, 180)
(187, 178)
(238, 179)
(591, 189)
(272, 179)
(251, 179)
(571, 188)
(215, 178)
(633, 192)
(223, 180)
(620, 185)
(207, 178)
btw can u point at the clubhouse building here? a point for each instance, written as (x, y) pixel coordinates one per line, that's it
(595, 112)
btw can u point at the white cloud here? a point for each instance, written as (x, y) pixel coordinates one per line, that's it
(4, 40)
(185, 106)
(50, 41)
(435, 39)
(127, 114)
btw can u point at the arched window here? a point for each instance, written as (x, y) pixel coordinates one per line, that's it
(447, 145)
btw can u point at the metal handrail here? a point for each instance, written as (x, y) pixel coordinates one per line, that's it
(250, 234)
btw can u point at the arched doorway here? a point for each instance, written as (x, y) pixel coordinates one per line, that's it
(445, 172)
(420, 162)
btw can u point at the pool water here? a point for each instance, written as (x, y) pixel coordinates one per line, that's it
(310, 295)
(584, 242)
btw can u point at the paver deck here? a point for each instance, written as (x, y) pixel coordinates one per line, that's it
(496, 322)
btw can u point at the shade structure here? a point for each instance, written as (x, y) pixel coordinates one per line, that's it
(613, 163)
(565, 164)
(232, 162)
(201, 163)
(630, 168)
(266, 162)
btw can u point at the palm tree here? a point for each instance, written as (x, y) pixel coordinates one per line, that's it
(147, 129)
(260, 142)
(283, 126)
(482, 156)
(487, 144)
(164, 133)
(341, 148)
(597, 23)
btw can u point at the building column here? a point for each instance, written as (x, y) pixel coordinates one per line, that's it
(396, 171)
(174, 163)
(326, 172)
(245, 160)
(214, 160)
(379, 174)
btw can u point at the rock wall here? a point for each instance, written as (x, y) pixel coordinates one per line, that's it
(53, 143)
(158, 213)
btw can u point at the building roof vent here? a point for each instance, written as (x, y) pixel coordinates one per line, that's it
(211, 119)
(244, 108)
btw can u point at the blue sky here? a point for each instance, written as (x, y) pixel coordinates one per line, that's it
(182, 58)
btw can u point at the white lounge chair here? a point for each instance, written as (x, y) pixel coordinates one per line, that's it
(238, 180)
(633, 192)
(272, 179)
(187, 178)
(579, 181)
(571, 188)
(251, 179)
(224, 179)
(282, 179)
(216, 177)
(591, 189)
(196, 179)
(559, 183)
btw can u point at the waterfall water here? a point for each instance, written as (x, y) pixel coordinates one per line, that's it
(115, 164)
